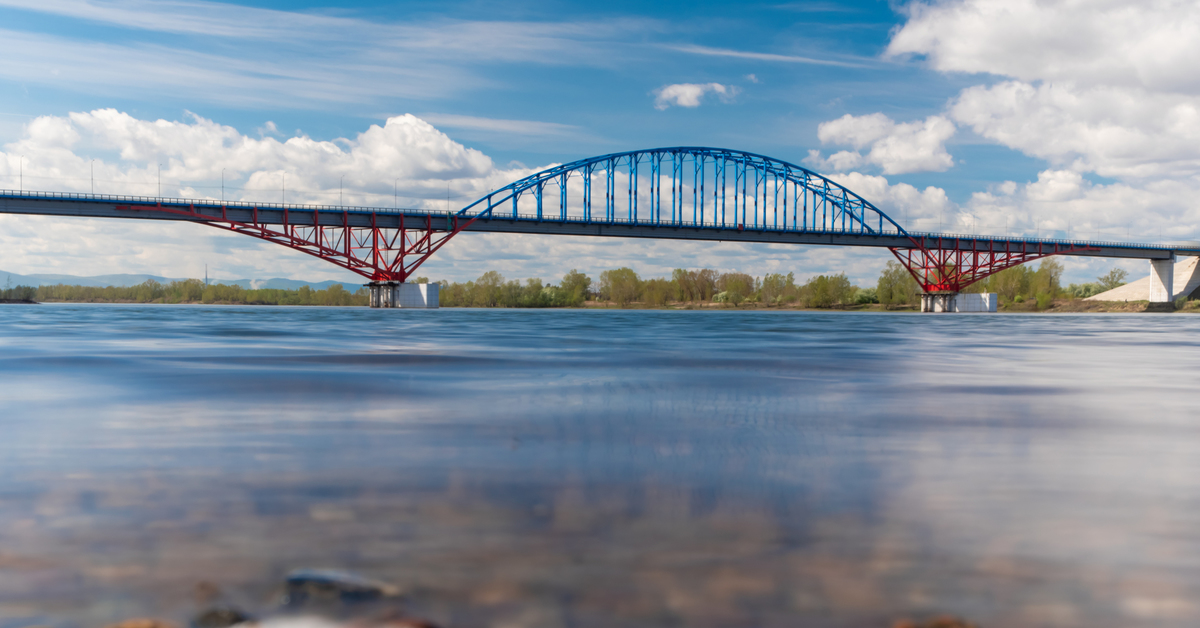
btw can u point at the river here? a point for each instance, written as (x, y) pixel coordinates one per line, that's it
(602, 468)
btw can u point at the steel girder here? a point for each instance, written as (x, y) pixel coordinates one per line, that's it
(375, 252)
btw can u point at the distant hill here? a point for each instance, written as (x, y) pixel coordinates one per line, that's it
(123, 281)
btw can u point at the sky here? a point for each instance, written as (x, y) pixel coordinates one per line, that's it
(1059, 117)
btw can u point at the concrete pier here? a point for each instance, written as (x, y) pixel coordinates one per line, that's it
(404, 295)
(1162, 279)
(958, 302)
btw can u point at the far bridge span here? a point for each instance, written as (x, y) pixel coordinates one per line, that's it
(683, 193)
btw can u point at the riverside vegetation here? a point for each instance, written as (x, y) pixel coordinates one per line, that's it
(187, 291)
(1021, 288)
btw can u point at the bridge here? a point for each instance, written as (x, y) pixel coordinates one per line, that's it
(688, 193)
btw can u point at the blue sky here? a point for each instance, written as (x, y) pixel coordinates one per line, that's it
(982, 114)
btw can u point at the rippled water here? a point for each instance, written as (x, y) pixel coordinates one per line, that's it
(603, 468)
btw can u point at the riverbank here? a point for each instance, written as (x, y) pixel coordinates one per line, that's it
(1060, 306)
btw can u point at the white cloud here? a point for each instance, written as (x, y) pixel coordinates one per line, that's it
(912, 208)
(1150, 44)
(59, 150)
(1102, 86)
(1115, 132)
(690, 94)
(894, 148)
(766, 56)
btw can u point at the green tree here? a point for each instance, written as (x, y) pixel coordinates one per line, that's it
(485, 292)
(657, 292)
(705, 281)
(777, 288)
(866, 296)
(575, 287)
(896, 286)
(1045, 279)
(622, 286)
(737, 287)
(1115, 278)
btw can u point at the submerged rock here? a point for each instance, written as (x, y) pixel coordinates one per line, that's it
(220, 617)
(316, 587)
(945, 621)
(143, 622)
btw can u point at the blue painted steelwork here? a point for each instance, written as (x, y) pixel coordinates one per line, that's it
(761, 192)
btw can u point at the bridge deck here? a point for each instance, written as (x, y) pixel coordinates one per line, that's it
(106, 206)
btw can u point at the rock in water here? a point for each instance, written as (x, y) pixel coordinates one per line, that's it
(219, 617)
(314, 587)
(142, 622)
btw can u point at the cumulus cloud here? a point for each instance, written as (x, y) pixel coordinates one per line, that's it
(915, 209)
(1113, 131)
(1102, 86)
(404, 154)
(894, 148)
(1151, 44)
(691, 94)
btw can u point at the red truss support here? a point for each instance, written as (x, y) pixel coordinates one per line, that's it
(377, 253)
(951, 264)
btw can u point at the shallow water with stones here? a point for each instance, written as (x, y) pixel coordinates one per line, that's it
(597, 468)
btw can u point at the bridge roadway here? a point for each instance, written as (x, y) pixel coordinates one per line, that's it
(108, 206)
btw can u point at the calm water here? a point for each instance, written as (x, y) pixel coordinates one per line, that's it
(603, 468)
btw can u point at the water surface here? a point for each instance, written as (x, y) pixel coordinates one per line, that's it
(603, 468)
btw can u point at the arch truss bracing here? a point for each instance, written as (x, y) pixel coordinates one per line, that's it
(703, 188)
(951, 264)
(382, 247)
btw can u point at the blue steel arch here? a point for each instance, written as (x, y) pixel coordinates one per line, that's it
(709, 188)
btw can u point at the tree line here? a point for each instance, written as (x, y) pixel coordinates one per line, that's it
(624, 287)
(189, 291)
(895, 288)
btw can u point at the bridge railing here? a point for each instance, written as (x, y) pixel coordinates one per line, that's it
(569, 219)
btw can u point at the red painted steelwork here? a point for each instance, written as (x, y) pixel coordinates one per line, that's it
(945, 265)
(377, 253)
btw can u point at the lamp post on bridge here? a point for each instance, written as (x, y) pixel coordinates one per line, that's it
(93, 163)
(22, 183)
(222, 185)
(340, 181)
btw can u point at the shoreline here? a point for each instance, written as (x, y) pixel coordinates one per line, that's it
(1061, 306)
